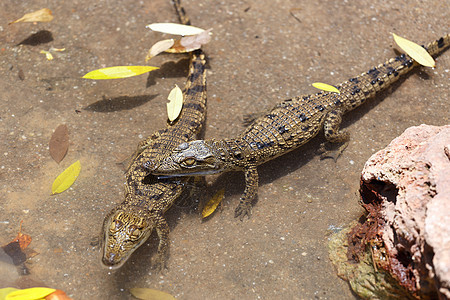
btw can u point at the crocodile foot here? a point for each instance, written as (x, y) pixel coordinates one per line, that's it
(244, 209)
(158, 262)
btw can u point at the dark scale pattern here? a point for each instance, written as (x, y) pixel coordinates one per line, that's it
(146, 202)
(294, 122)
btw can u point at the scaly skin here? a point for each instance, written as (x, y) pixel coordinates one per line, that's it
(287, 126)
(130, 223)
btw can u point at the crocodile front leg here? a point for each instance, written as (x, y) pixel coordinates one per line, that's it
(334, 134)
(250, 193)
(162, 229)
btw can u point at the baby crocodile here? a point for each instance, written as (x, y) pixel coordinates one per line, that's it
(287, 126)
(130, 223)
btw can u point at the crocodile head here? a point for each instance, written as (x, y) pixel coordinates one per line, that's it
(124, 230)
(188, 159)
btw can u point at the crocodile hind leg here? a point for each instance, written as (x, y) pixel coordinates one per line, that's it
(162, 229)
(334, 135)
(250, 193)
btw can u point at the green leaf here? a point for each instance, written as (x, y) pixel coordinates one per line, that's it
(176, 103)
(66, 178)
(150, 294)
(118, 72)
(36, 293)
(212, 204)
(416, 52)
(325, 87)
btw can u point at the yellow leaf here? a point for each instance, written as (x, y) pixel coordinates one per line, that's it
(30, 294)
(176, 103)
(150, 294)
(159, 47)
(42, 15)
(118, 72)
(66, 178)
(5, 291)
(325, 87)
(48, 55)
(173, 28)
(212, 204)
(418, 53)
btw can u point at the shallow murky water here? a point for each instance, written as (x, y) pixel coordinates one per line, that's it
(260, 54)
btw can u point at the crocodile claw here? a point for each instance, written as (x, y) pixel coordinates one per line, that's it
(244, 209)
(158, 263)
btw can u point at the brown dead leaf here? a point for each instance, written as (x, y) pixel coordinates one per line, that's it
(58, 295)
(59, 143)
(23, 239)
(42, 15)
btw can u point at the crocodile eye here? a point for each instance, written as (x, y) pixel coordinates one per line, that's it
(183, 146)
(189, 161)
(115, 225)
(135, 233)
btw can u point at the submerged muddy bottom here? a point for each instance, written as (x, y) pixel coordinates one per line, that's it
(260, 54)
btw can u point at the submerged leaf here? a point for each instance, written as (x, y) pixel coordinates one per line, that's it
(159, 47)
(325, 87)
(173, 28)
(212, 204)
(176, 103)
(66, 178)
(150, 294)
(23, 239)
(35, 293)
(119, 72)
(415, 51)
(59, 143)
(42, 15)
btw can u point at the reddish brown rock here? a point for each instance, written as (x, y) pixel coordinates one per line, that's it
(406, 190)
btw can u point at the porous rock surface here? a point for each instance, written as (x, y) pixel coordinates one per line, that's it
(411, 178)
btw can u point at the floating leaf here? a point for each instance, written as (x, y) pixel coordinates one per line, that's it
(59, 143)
(6, 291)
(159, 47)
(35, 293)
(190, 43)
(119, 72)
(418, 53)
(42, 15)
(196, 41)
(57, 49)
(176, 103)
(48, 55)
(66, 178)
(212, 204)
(325, 87)
(173, 28)
(150, 294)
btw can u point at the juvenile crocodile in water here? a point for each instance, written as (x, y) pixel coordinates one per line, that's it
(130, 223)
(287, 126)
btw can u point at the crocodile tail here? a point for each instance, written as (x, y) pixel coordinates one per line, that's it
(360, 88)
(184, 19)
(438, 46)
